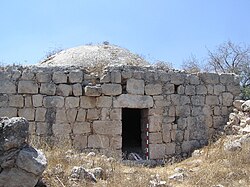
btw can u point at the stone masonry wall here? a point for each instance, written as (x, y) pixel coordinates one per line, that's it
(183, 110)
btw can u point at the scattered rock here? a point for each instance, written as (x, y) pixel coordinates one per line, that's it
(91, 154)
(98, 172)
(156, 181)
(20, 164)
(232, 146)
(178, 176)
(246, 106)
(80, 173)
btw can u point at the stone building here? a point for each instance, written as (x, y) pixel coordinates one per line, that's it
(108, 110)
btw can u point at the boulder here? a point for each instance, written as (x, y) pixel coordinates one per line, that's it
(20, 164)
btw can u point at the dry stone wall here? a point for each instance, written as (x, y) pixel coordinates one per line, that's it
(183, 110)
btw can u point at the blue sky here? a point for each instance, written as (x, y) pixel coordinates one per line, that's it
(168, 30)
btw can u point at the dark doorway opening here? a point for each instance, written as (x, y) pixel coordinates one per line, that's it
(132, 131)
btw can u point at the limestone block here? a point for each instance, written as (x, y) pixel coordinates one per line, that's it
(212, 100)
(92, 90)
(61, 130)
(227, 99)
(8, 112)
(71, 115)
(98, 141)
(197, 128)
(27, 113)
(198, 100)
(115, 114)
(135, 86)
(133, 101)
(87, 102)
(218, 89)
(183, 100)
(153, 89)
(64, 90)
(155, 137)
(126, 74)
(27, 75)
(166, 136)
(115, 77)
(165, 77)
(170, 148)
(4, 75)
(16, 74)
(37, 100)
(7, 86)
(175, 99)
(81, 128)
(201, 89)
(207, 110)
(183, 110)
(177, 78)
(189, 146)
(156, 151)
(16, 101)
(53, 101)
(77, 89)
(190, 90)
(104, 102)
(171, 111)
(48, 88)
(80, 141)
(107, 127)
(196, 111)
(173, 135)
(59, 77)
(233, 88)
(76, 76)
(41, 128)
(182, 123)
(155, 123)
(29, 87)
(93, 114)
(105, 78)
(81, 115)
(116, 142)
(40, 114)
(224, 111)
(32, 128)
(105, 114)
(210, 89)
(43, 77)
(209, 78)
(218, 121)
(179, 136)
(139, 75)
(28, 101)
(61, 116)
(193, 79)
(72, 102)
(4, 100)
(155, 111)
(168, 119)
(181, 89)
(186, 135)
(226, 78)
(111, 89)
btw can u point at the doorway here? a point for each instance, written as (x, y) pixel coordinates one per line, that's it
(133, 131)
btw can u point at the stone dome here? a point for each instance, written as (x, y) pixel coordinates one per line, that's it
(94, 56)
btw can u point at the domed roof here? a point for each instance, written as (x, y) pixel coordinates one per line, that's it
(94, 55)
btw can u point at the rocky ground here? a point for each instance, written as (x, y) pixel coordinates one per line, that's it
(223, 163)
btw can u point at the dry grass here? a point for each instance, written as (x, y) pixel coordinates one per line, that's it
(214, 166)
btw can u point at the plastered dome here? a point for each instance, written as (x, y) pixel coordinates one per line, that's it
(94, 56)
